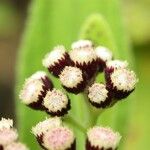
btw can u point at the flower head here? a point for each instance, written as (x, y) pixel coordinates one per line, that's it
(82, 44)
(72, 78)
(52, 134)
(99, 138)
(79, 57)
(59, 138)
(98, 95)
(84, 57)
(122, 83)
(56, 60)
(7, 133)
(124, 79)
(8, 136)
(113, 65)
(16, 146)
(34, 89)
(116, 64)
(104, 55)
(43, 126)
(6, 124)
(56, 103)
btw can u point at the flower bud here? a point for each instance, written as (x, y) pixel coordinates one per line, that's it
(6, 123)
(56, 60)
(82, 44)
(56, 103)
(104, 55)
(122, 83)
(7, 133)
(59, 138)
(46, 125)
(73, 79)
(16, 146)
(99, 96)
(34, 90)
(8, 136)
(100, 138)
(116, 64)
(84, 57)
(42, 127)
(113, 65)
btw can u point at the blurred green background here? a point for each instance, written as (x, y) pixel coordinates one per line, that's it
(136, 15)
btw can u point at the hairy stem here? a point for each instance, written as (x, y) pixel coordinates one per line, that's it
(73, 121)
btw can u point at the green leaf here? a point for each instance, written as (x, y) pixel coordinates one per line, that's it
(98, 31)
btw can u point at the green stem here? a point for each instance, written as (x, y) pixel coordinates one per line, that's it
(73, 121)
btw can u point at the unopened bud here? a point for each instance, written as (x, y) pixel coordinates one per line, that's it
(56, 103)
(85, 58)
(44, 126)
(104, 55)
(114, 65)
(7, 133)
(56, 60)
(34, 90)
(82, 44)
(100, 138)
(59, 138)
(122, 83)
(73, 79)
(99, 96)
(16, 146)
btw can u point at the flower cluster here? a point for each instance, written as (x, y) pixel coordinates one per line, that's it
(53, 135)
(77, 71)
(9, 136)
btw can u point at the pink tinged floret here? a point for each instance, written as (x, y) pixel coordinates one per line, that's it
(34, 90)
(8, 136)
(102, 138)
(58, 139)
(16, 146)
(7, 133)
